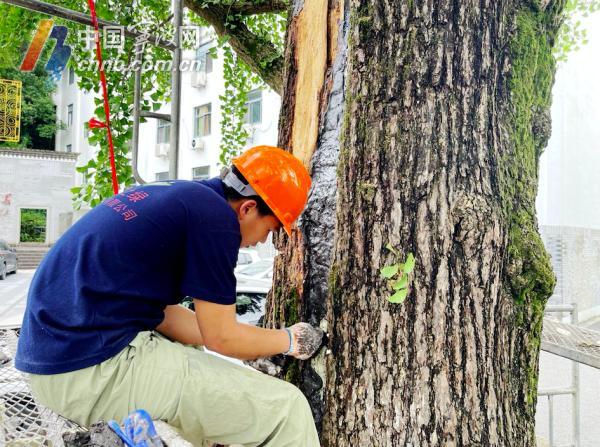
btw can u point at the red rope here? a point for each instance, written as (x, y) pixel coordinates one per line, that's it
(115, 182)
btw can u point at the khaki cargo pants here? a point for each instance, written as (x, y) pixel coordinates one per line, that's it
(206, 398)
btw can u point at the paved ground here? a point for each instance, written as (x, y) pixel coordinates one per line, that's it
(13, 296)
(555, 372)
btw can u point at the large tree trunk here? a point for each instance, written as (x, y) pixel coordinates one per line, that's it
(422, 123)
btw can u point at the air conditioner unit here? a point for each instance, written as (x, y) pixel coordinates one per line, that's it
(197, 144)
(162, 150)
(199, 79)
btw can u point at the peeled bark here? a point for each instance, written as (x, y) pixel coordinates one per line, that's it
(422, 125)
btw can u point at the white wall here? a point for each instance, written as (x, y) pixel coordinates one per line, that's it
(35, 179)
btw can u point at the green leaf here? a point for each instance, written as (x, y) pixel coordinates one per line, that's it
(409, 265)
(389, 271)
(398, 297)
(401, 283)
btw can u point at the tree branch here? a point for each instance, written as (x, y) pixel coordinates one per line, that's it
(258, 53)
(248, 7)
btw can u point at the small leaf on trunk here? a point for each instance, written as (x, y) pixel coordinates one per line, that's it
(409, 265)
(398, 297)
(402, 283)
(389, 271)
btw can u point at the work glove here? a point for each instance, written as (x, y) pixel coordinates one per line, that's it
(305, 340)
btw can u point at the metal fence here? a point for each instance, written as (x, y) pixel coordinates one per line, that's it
(23, 421)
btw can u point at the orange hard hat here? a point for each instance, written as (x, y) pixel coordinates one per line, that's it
(279, 178)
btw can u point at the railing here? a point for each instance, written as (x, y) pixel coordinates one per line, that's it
(573, 390)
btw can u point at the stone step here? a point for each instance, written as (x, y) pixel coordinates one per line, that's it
(30, 255)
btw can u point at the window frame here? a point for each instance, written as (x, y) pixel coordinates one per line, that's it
(166, 134)
(158, 175)
(70, 115)
(197, 118)
(206, 60)
(250, 103)
(204, 176)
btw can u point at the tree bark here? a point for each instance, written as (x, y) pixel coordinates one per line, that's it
(422, 125)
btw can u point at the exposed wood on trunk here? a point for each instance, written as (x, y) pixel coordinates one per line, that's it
(311, 60)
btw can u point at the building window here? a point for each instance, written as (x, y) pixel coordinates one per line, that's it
(71, 75)
(201, 173)
(162, 176)
(69, 115)
(163, 132)
(69, 148)
(254, 107)
(204, 57)
(202, 120)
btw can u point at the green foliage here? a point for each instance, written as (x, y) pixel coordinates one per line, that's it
(572, 35)
(240, 79)
(38, 115)
(398, 276)
(33, 225)
(16, 28)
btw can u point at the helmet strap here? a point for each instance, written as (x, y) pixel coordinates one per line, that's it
(234, 182)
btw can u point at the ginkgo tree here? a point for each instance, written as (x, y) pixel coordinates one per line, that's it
(422, 124)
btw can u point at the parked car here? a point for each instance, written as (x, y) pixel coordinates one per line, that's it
(2, 268)
(253, 284)
(250, 304)
(257, 274)
(246, 257)
(8, 259)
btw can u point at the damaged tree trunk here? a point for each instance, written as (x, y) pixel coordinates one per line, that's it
(422, 124)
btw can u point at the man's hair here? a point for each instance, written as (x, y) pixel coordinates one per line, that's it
(232, 195)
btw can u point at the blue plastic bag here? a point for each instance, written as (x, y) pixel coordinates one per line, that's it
(137, 430)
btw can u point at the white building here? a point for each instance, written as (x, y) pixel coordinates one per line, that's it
(200, 133)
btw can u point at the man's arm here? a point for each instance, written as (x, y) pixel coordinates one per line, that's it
(223, 334)
(180, 324)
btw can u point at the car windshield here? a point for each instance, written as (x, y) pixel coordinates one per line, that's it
(257, 267)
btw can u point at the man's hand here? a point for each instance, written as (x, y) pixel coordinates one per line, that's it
(306, 340)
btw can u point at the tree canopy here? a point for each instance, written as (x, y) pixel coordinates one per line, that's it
(38, 113)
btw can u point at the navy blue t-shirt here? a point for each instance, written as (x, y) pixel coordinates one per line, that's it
(113, 272)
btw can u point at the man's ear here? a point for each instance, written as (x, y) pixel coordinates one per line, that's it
(247, 206)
